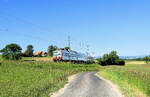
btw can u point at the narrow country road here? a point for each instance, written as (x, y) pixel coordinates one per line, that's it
(88, 85)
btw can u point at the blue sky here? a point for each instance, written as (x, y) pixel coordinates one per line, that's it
(105, 25)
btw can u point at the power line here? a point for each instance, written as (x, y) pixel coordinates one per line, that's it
(34, 26)
(3, 29)
(8, 16)
(69, 48)
(23, 20)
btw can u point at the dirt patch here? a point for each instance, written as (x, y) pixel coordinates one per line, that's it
(43, 59)
(39, 59)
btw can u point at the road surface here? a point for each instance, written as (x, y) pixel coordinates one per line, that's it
(87, 84)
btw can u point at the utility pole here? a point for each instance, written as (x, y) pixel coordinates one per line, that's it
(93, 54)
(87, 50)
(69, 48)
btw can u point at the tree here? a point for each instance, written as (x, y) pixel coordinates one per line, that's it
(105, 57)
(51, 48)
(147, 58)
(111, 59)
(29, 51)
(11, 52)
(104, 60)
(67, 48)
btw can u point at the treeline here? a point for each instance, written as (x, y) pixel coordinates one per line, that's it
(146, 59)
(14, 51)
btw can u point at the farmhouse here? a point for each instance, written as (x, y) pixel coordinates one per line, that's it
(40, 53)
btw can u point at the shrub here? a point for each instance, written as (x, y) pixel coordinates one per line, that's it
(103, 63)
(120, 62)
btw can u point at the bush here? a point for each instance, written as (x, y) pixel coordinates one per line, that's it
(120, 62)
(117, 62)
(103, 63)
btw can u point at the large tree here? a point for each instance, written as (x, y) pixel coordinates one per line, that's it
(105, 57)
(51, 48)
(11, 52)
(111, 59)
(147, 59)
(29, 51)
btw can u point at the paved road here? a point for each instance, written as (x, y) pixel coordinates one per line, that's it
(88, 85)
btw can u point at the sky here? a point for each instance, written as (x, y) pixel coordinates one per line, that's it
(104, 25)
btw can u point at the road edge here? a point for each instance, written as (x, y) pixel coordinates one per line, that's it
(61, 90)
(114, 86)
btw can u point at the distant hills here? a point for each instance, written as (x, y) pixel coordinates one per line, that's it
(127, 57)
(131, 57)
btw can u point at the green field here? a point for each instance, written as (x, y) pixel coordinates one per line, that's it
(0, 57)
(133, 79)
(40, 78)
(37, 78)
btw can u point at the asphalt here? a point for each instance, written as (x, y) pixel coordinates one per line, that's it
(87, 84)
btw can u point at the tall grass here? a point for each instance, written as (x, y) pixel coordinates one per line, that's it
(1, 58)
(133, 79)
(36, 79)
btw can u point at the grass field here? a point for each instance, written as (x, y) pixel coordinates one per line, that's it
(37, 78)
(0, 58)
(133, 79)
(41, 77)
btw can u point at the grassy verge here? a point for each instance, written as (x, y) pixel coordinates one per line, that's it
(37, 78)
(133, 79)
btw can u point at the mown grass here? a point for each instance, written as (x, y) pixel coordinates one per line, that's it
(36, 79)
(133, 79)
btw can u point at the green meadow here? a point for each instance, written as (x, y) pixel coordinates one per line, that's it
(41, 78)
(133, 78)
(1, 58)
(37, 78)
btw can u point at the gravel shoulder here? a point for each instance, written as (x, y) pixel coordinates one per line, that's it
(88, 84)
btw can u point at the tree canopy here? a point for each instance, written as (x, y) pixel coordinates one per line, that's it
(147, 59)
(29, 51)
(51, 48)
(11, 52)
(111, 59)
(67, 48)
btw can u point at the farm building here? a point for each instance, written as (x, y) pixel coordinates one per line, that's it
(40, 53)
